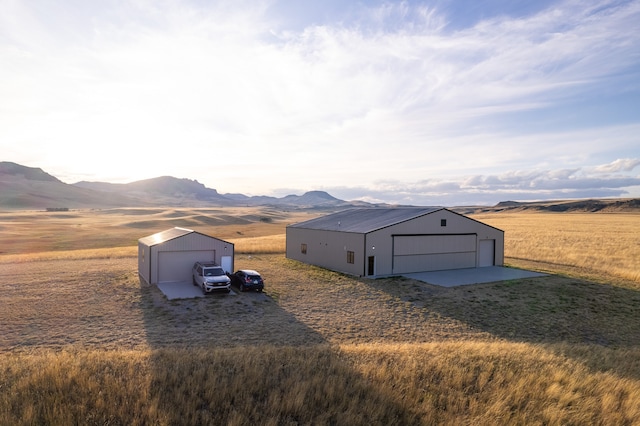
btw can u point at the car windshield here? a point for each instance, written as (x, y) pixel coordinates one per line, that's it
(213, 272)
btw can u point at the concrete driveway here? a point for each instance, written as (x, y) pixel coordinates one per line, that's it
(183, 290)
(456, 277)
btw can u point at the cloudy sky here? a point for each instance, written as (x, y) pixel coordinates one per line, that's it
(442, 102)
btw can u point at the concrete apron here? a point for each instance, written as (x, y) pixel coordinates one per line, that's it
(184, 290)
(456, 277)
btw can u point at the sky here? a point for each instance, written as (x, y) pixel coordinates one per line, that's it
(442, 102)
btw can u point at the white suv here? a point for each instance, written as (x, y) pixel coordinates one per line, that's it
(210, 277)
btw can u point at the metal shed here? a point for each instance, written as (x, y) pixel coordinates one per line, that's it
(394, 241)
(168, 256)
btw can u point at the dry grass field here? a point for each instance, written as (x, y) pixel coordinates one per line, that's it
(599, 245)
(83, 341)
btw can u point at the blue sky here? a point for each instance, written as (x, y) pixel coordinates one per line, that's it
(417, 102)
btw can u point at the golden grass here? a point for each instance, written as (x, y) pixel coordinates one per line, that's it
(601, 244)
(84, 342)
(260, 245)
(427, 383)
(498, 383)
(100, 253)
(25, 232)
(269, 244)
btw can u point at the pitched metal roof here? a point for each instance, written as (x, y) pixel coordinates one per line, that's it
(365, 220)
(163, 236)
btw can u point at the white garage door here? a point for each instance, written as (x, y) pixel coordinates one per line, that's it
(418, 253)
(176, 265)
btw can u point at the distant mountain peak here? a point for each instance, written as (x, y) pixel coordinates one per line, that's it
(29, 173)
(320, 194)
(168, 184)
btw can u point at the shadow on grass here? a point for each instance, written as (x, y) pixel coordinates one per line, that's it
(566, 313)
(241, 359)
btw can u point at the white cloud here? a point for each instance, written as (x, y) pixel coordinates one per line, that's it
(519, 185)
(619, 165)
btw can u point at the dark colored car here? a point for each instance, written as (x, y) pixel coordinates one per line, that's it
(247, 279)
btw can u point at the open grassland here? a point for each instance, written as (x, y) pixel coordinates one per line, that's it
(32, 232)
(599, 245)
(83, 341)
(428, 383)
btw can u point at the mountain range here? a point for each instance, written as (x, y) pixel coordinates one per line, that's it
(23, 187)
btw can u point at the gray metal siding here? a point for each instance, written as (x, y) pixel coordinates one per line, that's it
(465, 255)
(327, 249)
(144, 263)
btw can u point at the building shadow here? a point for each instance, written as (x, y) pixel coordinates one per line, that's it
(570, 316)
(242, 359)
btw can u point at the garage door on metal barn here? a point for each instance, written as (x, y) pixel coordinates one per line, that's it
(419, 253)
(176, 265)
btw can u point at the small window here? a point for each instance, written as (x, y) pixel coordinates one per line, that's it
(443, 222)
(351, 257)
(303, 248)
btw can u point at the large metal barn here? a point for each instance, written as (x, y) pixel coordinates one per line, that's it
(376, 242)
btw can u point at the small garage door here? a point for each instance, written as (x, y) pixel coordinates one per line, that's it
(176, 265)
(418, 253)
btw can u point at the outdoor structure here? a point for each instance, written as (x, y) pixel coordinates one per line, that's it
(377, 242)
(168, 256)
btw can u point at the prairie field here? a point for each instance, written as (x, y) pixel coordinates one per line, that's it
(84, 341)
(600, 245)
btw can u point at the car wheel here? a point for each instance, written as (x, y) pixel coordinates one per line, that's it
(193, 281)
(204, 291)
(242, 287)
